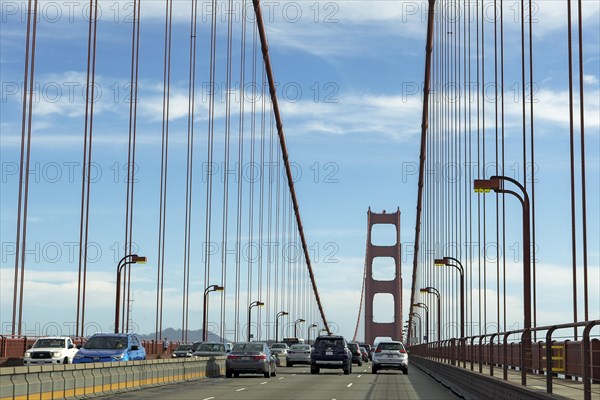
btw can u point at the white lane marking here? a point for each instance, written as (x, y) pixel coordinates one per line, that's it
(281, 378)
(239, 390)
(350, 384)
(208, 398)
(359, 376)
(293, 374)
(264, 383)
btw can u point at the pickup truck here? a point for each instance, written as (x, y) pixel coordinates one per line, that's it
(50, 350)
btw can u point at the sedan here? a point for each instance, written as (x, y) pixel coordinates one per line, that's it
(250, 358)
(298, 354)
(183, 350)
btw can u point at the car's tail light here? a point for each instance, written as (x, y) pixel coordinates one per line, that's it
(403, 351)
(260, 357)
(378, 351)
(232, 356)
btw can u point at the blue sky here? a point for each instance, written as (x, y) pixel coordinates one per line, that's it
(349, 74)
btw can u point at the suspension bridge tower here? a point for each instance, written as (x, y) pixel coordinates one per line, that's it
(394, 286)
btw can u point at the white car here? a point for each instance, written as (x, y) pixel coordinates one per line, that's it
(50, 350)
(390, 355)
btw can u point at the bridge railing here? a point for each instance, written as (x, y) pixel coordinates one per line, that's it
(566, 359)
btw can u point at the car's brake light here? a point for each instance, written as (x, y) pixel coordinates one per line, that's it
(232, 356)
(260, 357)
(378, 351)
(403, 351)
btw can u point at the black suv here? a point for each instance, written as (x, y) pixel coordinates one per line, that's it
(356, 353)
(330, 352)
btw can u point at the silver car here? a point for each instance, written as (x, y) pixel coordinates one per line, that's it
(250, 358)
(390, 355)
(279, 348)
(298, 354)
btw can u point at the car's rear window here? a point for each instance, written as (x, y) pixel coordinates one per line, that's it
(279, 346)
(214, 347)
(390, 346)
(302, 347)
(331, 343)
(248, 347)
(184, 347)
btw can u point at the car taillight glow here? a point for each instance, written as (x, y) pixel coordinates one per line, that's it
(403, 351)
(378, 351)
(261, 357)
(232, 356)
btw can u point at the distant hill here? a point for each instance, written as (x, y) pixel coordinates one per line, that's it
(174, 335)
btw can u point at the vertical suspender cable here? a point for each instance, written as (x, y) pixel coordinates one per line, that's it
(532, 152)
(210, 144)
(87, 162)
(225, 219)
(240, 170)
(189, 171)
(21, 239)
(572, 165)
(503, 172)
(497, 161)
(163, 169)
(583, 188)
(133, 96)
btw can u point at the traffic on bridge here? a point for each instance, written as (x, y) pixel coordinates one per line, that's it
(223, 199)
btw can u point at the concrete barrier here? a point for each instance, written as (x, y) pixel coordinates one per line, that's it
(87, 380)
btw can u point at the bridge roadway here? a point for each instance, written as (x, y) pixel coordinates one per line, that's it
(296, 383)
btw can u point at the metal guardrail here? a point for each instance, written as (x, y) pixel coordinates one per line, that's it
(580, 359)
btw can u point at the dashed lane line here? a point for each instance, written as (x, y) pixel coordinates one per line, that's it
(239, 390)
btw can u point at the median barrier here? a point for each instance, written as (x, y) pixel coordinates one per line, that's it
(93, 379)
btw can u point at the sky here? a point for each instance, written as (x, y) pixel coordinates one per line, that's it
(349, 77)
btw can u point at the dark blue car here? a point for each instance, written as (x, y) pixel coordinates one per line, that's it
(109, 347)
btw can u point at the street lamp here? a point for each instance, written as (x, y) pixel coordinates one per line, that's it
(296, 326)
(448, 261)
(211, 288)
(496, 183)
(279, 314)
(414, 314)
(134, 259)
(252, 305)
(433, 290)
(308, 333)
(424, 306)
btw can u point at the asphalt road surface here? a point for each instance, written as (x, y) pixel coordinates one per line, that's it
(297, 383)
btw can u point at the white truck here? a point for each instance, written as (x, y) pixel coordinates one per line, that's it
(50, 350)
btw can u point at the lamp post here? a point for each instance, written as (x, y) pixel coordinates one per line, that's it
(496, 183)
(211, 288)
(448, 261)
(414, 314)
(279, 314)
(252, 305)
(296, 326)
(308, 333)
(433, 290)
(134, 258)
(424, 306)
